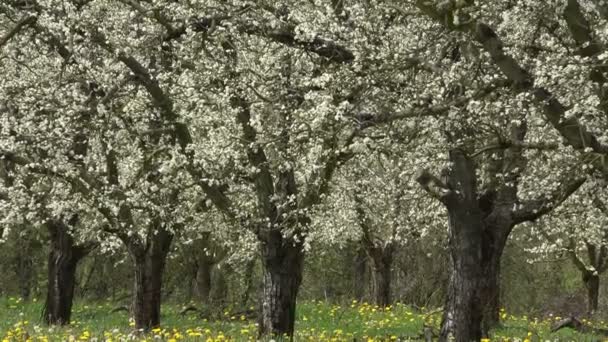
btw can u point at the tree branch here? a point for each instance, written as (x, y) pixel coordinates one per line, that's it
(600, 205)
(434, 186)
(367, 239)
(580, 29)
(319, 182)
(256, 156)
(367, 120)
(21, 24)
(533, 209)
(180, 131)
(576, 134)
(575, 259)
(286, 35)
(77, 184)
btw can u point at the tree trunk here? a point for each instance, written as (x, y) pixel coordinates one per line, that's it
(24, 265)
(494, 241)
(63, 259)
(382, 258)
(249, 282)
(203, 280)
(219, 287)
(103, 287)
(592, 283)
(149, 266)
(24, 269)
(359, 270)
(462, 316)
(462, 313)
(282, 260)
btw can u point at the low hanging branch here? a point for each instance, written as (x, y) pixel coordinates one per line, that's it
(575, 324)
(533, 209)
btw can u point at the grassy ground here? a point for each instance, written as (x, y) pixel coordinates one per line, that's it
(317, 321)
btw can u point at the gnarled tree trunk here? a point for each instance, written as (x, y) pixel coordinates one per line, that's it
(462, 313)
(282, 261)
(64, 256)
(149, 262)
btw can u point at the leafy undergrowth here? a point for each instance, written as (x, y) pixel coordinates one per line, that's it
(317, 321)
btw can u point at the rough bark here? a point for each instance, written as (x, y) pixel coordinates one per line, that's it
(282, 261)
(493, 246)
(463, 311)
(63, 259)
(511, 163)
(479, 226)
(149, 263)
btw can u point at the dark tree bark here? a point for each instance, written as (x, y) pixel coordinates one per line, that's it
(282, 261)
(592, 283)
(149, 263)
(63, 259)
(478, 227)
(203, 280)
(382, 261)
(359, 270)
(493, 243)
(462, 313)
(480, 222)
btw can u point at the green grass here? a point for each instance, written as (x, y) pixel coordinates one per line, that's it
(316, 321)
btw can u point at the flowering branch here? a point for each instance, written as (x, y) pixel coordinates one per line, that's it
(576, 134)
(21, 24)
(533, 209)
